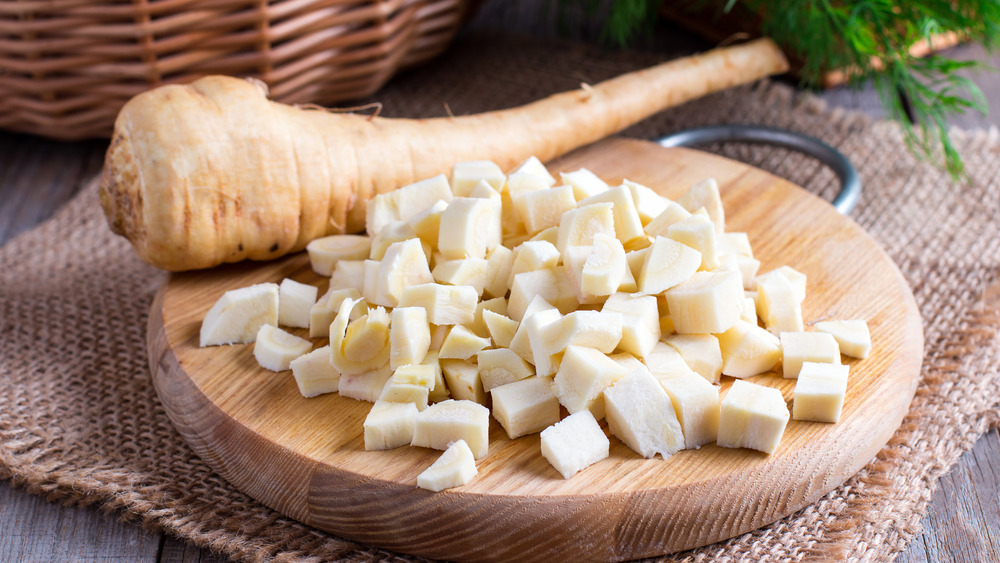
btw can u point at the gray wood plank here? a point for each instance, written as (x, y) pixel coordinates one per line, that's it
(36, 530)
(180, 551)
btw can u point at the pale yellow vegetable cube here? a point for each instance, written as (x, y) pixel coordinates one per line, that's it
(500, 366)
(640, 321)
(795, 277)
(500, 328)
(445, 304)
(535, 167)
(705, 195)
(648, 203)
(525, 406)
(698, 232)
(389, 425)
(696, 403)
(583, 375)
(708, 302)
(551, 284)
(275, 349)
(851, 335)
(533, 255)
(409, 336)
(365, 386)
(409, 384)
(455, 467)
(748, 350)
(441, 424)
(462, 378)
(467, 271)
(574, 443)
(439, 391)
(594, 329)
(672, 213)
(628, 226)
(798, 347)
(701, 352)
(735, 243)
(521, 343)
(778, 305)
(326, 252)
(314, 374)
(465, 176)
(496, 305)
(539, 210)
(427, 223)
(819, 392)
(237, 316)
(640, 413)
(461, 344)
(470, 227)
(584, 183)
(321, 314)
(752, 416)
(577, 227)
(348, 274)
(667, 264)
(499, 261)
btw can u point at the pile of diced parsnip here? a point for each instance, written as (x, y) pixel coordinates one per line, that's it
(506, 294)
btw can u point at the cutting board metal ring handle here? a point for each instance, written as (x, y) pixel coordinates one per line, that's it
(850, 182)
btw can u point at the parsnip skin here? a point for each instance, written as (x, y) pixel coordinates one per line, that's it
(213, 172)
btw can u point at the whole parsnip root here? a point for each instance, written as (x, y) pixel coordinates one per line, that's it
(213, 172)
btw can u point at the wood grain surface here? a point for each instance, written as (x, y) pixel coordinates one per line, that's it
(306, 458)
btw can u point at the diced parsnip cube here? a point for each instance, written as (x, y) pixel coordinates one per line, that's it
(627, 223)
(389, 425)
(851, 335)
(795, 277)
(574, 443)
(462, 377)
(577, 227)
(396, 231)
(551, 284)
(672, 213)
(701, 352)
(275, 349)
(525, 406)
(746, 267)
(549, 235)
(521, 343)
(361, 345)
(819, 392)
(461, 344)
(542, 209)
(499, 261)
(628, 284)
(628, 361)
(705, 194)
(470, 227)
(409, 336)
(500, 366)
(640, 321)
(640, 413)
(601, 330)
(445, 304)
(777, 305)
(696, 403)
(735, 243)
(381, 211)
(708, 302)
(369, 290)
(640, 243)
(238, 315)
(748, 350)
(605, 267)
(749, 312)
(666, 359)
(648, 203)
(438, 334)
(467, 271)
(667, 264)
(799, 347)
(698, 232)
(532, 165)
(497, 305)
(314, 374)
(455, 467)
(533, 255)
(573, 260)
(413, 199)
(441, 424)
(427, 223)
(439, 391)
(501, 328)
(325, 252)
(522, 182)
(365, 386)
(348, 274)
(465, 176)
(484, 190)
(583, 375)
(409, 384)
(752, 416)
(584, 183)
(404, 265)
(636, 258)
(321, 314)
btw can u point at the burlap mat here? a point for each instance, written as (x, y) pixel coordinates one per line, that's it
(80, 422)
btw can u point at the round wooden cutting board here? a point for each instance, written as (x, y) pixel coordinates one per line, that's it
(305, 457)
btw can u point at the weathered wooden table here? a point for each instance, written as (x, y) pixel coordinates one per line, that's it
(37, 176)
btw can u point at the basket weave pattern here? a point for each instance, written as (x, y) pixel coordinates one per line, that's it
(67, 66)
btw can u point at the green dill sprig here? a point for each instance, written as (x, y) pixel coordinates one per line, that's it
(871, 40)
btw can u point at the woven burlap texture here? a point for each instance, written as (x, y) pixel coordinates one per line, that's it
(80, 422)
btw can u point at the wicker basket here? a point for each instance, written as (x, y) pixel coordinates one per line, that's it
(67, 66)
